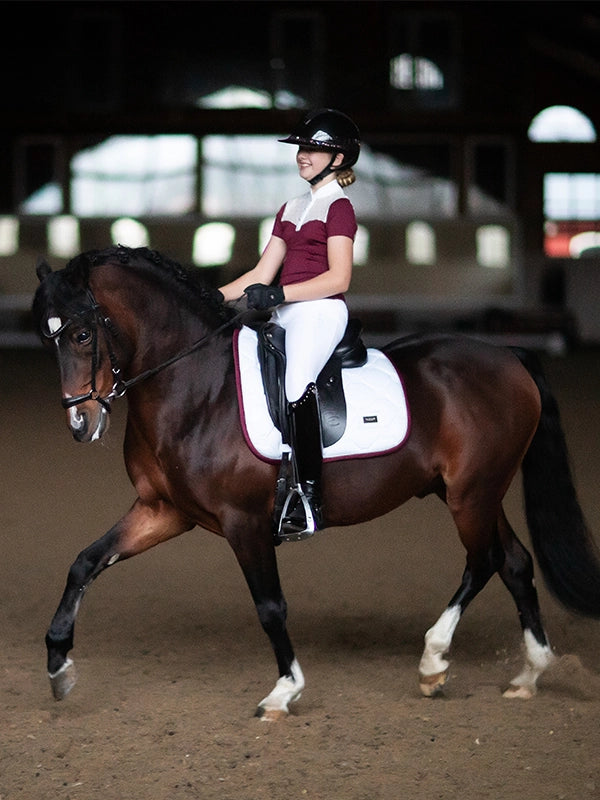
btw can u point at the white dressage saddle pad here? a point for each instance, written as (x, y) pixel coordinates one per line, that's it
(378, 420)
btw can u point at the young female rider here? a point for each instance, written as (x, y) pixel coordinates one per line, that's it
(312, 245)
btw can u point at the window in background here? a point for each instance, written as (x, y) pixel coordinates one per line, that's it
(404, 180)
(420, 243)
(247, 176)
(362, 243)
(493, 246)
(213, 244)
(251, 176)
(136, 176)
(264, 233)
(571, 196)
(571, 200)
(408, 72)
(129, 232)
(236, 97)
(9, 235)
(561, 124)
(63, 236)
(571, 208)
(423, 60)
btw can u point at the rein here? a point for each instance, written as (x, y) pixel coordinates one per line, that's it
(121, 387)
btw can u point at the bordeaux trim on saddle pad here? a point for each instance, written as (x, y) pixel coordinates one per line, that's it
(378, 419)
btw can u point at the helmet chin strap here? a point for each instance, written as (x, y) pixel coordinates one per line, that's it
(324, 172)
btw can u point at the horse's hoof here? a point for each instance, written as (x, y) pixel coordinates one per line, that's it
(432, 684)
(271, 714)
(520, 692)
(62, 681)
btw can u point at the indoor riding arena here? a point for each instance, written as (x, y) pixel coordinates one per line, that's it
(477, 196)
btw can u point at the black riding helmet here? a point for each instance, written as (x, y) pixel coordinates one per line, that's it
(329, 130)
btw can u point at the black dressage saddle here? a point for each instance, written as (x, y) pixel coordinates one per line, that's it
(350, 352)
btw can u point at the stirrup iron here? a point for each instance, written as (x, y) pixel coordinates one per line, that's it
(287, 531)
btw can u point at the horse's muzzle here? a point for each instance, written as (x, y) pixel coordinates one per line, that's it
(87, 426)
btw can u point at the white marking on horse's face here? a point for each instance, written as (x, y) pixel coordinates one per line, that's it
(54, 324)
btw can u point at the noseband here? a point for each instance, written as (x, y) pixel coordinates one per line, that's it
(119, 388)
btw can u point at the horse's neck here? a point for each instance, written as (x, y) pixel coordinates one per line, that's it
(159, 329)
(165, 332)
(195, 363)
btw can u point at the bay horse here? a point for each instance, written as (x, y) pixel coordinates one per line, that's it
(132, 322)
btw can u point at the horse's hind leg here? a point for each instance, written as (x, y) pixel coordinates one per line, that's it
(484, 557)
(504, 554)
(517, 574)
(433, 667)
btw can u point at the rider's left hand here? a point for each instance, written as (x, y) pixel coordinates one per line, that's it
(261, 297)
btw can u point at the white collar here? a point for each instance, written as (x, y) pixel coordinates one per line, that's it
(329, 188)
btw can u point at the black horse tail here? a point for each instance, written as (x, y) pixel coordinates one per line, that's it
(562, 543)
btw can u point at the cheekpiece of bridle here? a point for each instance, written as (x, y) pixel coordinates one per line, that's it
(93, 318)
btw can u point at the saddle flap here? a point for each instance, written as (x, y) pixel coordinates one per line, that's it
(271, 357)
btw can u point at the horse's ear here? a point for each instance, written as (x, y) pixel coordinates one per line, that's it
(42, 269)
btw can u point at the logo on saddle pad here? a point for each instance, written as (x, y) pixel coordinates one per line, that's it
(376, 419)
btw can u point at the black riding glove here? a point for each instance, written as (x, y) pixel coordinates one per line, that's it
(261, 297)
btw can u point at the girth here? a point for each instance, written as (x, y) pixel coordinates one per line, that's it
(350, 352)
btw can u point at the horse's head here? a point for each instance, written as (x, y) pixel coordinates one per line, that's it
(92, 346)
(68, 319)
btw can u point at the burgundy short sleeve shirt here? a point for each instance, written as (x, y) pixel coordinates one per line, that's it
(305, 223)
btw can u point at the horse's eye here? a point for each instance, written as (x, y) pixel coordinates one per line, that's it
(83, 336)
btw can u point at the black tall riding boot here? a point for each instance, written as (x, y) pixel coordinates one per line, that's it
(303, 514)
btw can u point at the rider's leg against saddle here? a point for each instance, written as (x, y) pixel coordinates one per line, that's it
(307, 451)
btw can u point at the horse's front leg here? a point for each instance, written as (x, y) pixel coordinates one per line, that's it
(255, 553)
(59, 639)
(141, 528)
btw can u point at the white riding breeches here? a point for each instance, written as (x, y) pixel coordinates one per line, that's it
(313, 328)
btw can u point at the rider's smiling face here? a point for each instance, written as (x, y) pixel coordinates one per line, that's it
(312, 161)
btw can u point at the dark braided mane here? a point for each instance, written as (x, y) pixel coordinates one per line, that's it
(185, 283)
(63, 293)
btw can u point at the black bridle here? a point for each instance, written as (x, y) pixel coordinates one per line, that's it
(98, 321)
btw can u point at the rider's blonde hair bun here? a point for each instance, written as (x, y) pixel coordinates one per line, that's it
(345, 177)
